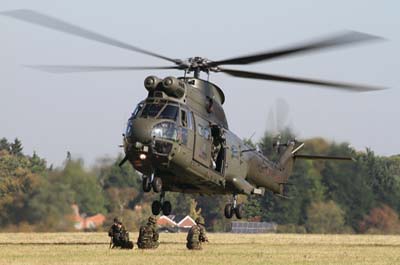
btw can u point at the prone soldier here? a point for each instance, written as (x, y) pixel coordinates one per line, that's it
(148, 235)
(196, 235)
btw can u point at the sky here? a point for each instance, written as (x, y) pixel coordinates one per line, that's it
(86, 113)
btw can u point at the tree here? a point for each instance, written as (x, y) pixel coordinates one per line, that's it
(194, 211)
(16, 147)
(4, 144)
(324, 218)
(18, 185)
(87, 191)
(119, 198)
(381, 220)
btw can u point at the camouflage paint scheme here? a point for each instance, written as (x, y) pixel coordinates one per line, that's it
(187, 167)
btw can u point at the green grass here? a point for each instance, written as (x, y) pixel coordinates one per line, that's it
(92, 248)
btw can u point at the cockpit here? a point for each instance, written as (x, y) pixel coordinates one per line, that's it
(172, 125)
(158, 110)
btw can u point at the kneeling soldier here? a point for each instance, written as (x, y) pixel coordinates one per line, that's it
(119, 236)
(148, 235)
(196, 235)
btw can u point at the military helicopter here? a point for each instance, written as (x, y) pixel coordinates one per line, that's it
(178, 137)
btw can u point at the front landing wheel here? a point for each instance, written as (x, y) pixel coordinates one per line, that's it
(157, 184)
(228, 211)
(239, 210)
(146, 184)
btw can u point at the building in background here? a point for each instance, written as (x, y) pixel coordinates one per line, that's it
(170, 223)
(86, 223)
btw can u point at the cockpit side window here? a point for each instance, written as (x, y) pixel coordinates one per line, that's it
(151, 110)
(170, 112)
(137, 110)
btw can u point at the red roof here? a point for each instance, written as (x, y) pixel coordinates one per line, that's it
(90, 222)
(186, 222)
(165, 221)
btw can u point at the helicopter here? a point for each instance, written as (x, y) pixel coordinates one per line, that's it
(178, 136)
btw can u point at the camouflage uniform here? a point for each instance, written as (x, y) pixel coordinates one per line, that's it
(119, 236)
(148, 235)
(196, 235)
(114, 229)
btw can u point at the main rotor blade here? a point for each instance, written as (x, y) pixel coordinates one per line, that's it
(59, 25)
(346, 38)
(280, 78)
(61, 69)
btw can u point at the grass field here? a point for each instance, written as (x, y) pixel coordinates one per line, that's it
(92, 248)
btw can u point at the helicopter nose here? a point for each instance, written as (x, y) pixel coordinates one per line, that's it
(139, 130)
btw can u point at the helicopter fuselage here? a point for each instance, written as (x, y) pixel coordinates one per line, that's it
(183, 138)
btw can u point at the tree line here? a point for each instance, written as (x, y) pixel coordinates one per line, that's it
(325, 196)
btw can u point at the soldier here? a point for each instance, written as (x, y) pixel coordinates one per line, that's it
(148, 235)
(114, 229)
(119, 235)
(196, 235)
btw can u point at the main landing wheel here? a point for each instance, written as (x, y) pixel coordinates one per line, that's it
(146, 182)
(156, 207)
(166, 208)
(234, 209)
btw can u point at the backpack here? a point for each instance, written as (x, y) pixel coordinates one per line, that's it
(193, 234)
(145, 234)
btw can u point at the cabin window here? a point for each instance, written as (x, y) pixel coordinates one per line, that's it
(204, 131)
(151, 110)
(170, 112)
(190, 120)
(235, 152)
(184, 121)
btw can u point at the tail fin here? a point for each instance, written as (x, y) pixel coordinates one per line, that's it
(317, 157)
(286, 161)
(289, 156)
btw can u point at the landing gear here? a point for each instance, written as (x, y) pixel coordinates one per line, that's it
(146, 182)
(234, 208)
(156, 207)
(166, 208)
(161, 205)
(228, 210)
(157, 184)
(152, 182)
(239, 211)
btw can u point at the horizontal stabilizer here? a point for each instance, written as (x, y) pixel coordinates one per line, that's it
(348, 158)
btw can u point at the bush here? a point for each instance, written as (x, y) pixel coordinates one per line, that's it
(383, 220)
(325, 218)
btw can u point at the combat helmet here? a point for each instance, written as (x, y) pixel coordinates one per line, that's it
(152, 220)
(200, 220)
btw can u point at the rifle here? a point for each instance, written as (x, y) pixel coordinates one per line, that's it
(111, 242)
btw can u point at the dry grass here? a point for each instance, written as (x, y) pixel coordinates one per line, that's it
(92, 248)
